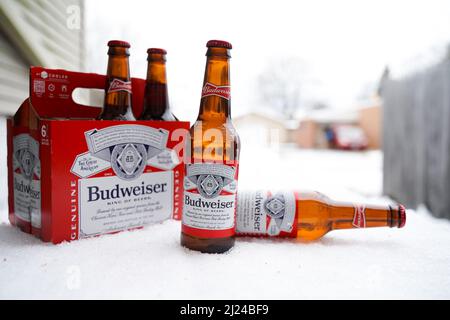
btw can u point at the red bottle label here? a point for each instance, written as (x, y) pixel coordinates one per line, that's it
(209, 209)
(119, 85)
(359, 219)
(23, 171)
(212, 90)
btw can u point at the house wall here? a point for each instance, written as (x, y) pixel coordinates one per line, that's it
(49, 33)
(13, 77)
(256, 130)
(370, 120)
(306, 135)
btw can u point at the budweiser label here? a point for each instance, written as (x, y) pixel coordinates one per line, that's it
(110, 204)
(115, 191)
(359, 219)
(119, 85)
(23, 166)
(264, 213)
(35, 185)
(210, 89)
(210, 200)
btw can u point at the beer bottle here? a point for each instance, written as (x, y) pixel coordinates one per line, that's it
(308, 216)
(117, 105)
(209, 209)
(23, 174)
(156, 99)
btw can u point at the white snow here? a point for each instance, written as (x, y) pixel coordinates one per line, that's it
(410, 263)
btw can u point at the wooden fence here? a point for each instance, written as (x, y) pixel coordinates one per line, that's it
(416, 139)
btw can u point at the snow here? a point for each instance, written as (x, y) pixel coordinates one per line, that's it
(410, 263)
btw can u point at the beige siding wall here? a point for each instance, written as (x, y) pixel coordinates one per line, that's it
(13, 77)
(37, 32)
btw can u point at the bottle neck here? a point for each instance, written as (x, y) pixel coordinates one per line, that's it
(118, 67)
(156, 100)
(156, 69)
(117, 105)
(348, 216)
(216, 101)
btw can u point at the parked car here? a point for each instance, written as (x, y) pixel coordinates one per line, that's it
(347, 137)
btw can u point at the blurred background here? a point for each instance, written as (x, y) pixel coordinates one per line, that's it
(350, 97)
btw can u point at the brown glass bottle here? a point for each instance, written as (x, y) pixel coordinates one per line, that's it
(117, 105)
(211, 177)
(156, 99)
(308, 216)
(22, 179)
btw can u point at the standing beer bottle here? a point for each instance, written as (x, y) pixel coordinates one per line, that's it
(308, 216)
(117, 105)
(23, 167)
(156, 99)
(209, 210)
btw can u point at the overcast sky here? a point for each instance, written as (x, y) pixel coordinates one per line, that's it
(344, 43)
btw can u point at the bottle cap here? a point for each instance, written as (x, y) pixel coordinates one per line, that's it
(156, 50)
(402, 216)
(219, 44)
(118, 43)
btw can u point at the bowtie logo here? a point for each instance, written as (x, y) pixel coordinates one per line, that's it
(212, 90)
(119, 85)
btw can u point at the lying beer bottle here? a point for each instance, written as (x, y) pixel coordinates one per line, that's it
(156, 99)
(308, 216)
(117, 105)
(210, 185)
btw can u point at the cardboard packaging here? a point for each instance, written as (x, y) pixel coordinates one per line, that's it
(72, 177)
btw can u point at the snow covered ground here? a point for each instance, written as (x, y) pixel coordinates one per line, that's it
(410, 263)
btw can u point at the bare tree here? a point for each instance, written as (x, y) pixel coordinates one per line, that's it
(281, 85)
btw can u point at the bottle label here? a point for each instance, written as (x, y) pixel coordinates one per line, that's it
(23, 167)
(210, 200)
(210, 89)
(119, 85)
(359, 219)
(35, 185)
(266, 214)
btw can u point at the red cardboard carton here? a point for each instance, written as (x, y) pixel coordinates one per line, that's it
(72, 177)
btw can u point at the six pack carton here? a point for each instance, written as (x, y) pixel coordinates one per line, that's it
(72, 177)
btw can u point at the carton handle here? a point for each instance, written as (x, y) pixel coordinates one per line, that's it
(51, 92)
